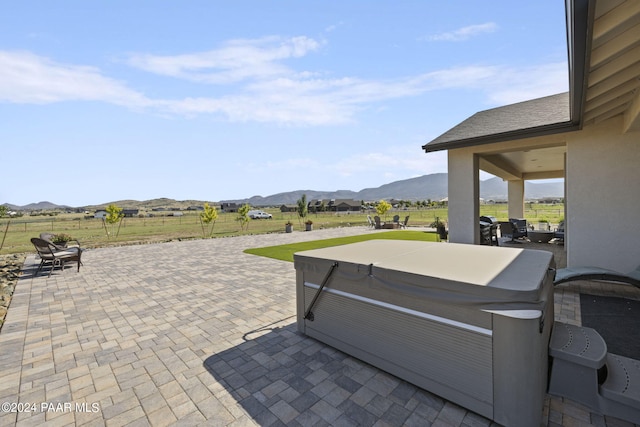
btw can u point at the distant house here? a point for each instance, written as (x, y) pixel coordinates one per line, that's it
(229, 207)
(318, 205)
(345, 205)
(130, 213)
(101, 214)
(288, 208)
(334, 205)
(550, 200)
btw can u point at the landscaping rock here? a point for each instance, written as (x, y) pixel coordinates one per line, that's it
(10, 268)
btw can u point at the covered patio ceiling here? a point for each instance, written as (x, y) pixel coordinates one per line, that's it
(525, 164)
(613, 80)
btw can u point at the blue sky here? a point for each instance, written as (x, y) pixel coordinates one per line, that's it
(210, 100)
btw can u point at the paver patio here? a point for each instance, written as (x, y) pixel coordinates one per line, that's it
(199, 333)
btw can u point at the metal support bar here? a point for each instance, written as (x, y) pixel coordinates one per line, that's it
(309, 315)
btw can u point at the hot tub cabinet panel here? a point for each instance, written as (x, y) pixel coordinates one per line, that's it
(472, 339)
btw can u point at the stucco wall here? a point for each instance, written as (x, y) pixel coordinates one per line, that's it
(603, 197)
(464, 194)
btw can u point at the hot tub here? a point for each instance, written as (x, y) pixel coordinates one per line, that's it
(469, 323)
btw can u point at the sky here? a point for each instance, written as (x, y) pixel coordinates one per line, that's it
(112, 100)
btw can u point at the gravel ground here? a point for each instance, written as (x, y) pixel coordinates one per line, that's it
(10, 266)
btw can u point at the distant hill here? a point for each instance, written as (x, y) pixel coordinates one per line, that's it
(433, 187)
(37, 206)
(496, 189)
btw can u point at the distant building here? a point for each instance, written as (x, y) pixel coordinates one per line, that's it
(345, 205)
(335, 205)
(130, 213)
(288, 208)
(229, 207)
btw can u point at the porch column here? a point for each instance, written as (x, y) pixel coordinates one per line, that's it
(515, 191)
(464, 197)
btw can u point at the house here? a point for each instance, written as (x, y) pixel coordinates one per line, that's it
(288, 208)
(229, 207)
(318, 205)
(130, 213)
(345, 205)
(589, 136)
(101, 214)
(335, 205)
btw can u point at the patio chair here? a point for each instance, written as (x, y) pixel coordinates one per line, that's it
(488, 232)
(406, 221)
(558, 233)
(520, 227)
(372, 224)
(378, 224)
(570, 274)
(50, 254)
(510, 229)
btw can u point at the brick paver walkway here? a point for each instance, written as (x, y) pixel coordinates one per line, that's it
(199, 333)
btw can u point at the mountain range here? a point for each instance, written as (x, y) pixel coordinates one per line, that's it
(433, 187)
(426, 187)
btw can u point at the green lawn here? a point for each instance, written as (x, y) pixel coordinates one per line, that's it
(285, 252)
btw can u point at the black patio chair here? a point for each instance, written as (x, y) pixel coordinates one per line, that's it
(50, 254)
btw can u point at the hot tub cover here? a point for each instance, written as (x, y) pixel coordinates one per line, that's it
(492, 278)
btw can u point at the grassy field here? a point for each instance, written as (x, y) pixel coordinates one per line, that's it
(91, 232)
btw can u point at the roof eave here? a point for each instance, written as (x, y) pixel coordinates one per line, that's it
(505, 136)
(579, 16)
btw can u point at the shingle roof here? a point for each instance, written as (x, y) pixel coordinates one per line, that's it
(535, 117)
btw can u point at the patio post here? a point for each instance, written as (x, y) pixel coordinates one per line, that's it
(464, 197)
(515, 191)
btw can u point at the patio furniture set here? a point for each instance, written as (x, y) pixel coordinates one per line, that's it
(516, 229)
(377, 223)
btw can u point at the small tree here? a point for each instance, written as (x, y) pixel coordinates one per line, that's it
(303, 209)
(208, 216)
(114, 216)
(382, 207)
(243, 217)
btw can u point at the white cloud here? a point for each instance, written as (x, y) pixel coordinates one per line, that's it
(398, 161)
(522, 84)
(464, 33)
(26, 78)
(264, 90)
(235, 61)
(503, 85)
